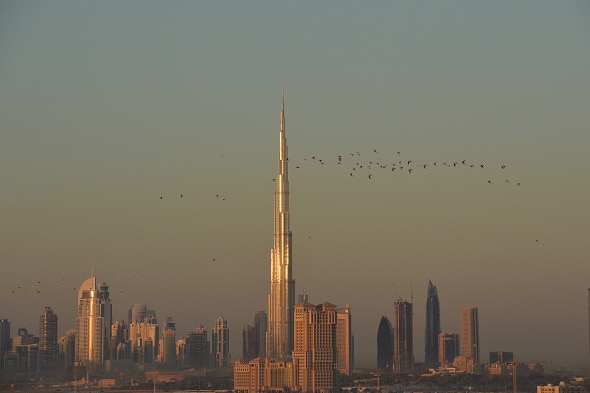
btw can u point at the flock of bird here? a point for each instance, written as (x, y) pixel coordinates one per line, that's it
(358, 164)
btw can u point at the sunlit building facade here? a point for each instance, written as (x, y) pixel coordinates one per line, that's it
(89, 324)
(281, 300)
(344, 340)
(315, 346)
(220, 343)
(470, 333)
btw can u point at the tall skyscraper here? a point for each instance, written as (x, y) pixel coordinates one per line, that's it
(315, 346)
(403, 344)
(120, 345)
(385, 345)
(260, 326)
(448, 348)
(470, 334)
(432, 329)
(168, 344)
(344, 340)
(281, 300)
(144, 337)
(137, 313)
(196, 349)
(5, 344)
(220, 343)
(67, 349)
(248, 342)
(106, 310)
(48, 348)
(89, 324)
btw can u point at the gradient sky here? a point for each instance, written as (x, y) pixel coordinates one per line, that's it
(107, 106)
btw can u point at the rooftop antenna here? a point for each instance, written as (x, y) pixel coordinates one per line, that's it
(92, 271)
(411, 293)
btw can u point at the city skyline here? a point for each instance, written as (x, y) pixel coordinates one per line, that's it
(111, 111)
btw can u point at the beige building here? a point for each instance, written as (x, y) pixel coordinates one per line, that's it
(315, 346)
(470, 333)
(344, 341)
(551, 388)
(264, 375)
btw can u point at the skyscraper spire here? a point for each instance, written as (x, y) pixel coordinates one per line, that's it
(281, 300)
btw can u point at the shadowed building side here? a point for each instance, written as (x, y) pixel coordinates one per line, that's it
(432, 329)
(384, 345)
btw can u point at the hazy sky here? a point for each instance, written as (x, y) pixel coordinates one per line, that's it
(105, 107)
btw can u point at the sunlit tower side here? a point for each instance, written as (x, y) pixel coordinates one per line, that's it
(89, 324)
(470, 334)
(281, 300)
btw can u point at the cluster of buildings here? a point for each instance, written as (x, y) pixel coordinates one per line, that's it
(98, 343)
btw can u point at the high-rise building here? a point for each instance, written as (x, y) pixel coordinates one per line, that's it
(168, 344)
(144, 337)
(106, 310)
(260, 327)
(344, 340)
(196, 349)
(5, 343)
(470, 334)
(120, 346)
(248, 342)
(315, 346)
(137, 313)
(48, 348)
(501, 357)
(89, 324)
(403, 344)
(448, 348)
(432, 329)
(67, 349)
(220, 343)
(385, 345)
(281, 300)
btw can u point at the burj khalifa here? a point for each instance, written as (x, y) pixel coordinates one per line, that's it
(281, 300)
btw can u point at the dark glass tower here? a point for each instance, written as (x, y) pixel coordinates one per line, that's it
(432, 329)
(384, 345)
(403, 343)
(48, 340)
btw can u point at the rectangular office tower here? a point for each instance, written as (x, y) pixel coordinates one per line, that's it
(315, 346)
(448, 348)
(48, 340)
(89, 324)
(281, 300)
(403, 351)
(470, 334)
